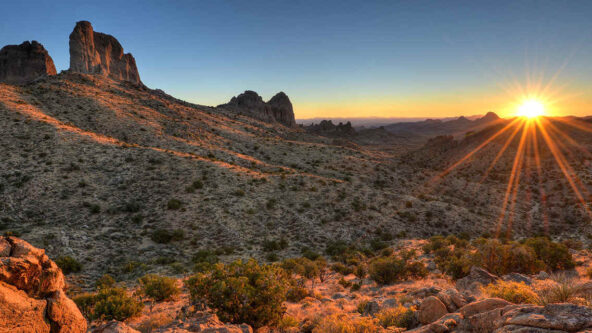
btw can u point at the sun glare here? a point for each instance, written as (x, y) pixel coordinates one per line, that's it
(531, 109)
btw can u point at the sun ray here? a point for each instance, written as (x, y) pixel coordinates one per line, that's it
(563, 164)
(511, 181)
(501, 152)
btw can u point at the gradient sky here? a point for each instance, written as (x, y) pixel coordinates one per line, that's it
(340, 58)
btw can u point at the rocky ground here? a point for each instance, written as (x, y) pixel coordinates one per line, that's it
(32, 290)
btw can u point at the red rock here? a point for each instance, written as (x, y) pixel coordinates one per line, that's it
(23, 63)
(97, 53)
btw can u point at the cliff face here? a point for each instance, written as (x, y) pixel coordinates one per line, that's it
(25, 62)
(97, 53)
(277, 109)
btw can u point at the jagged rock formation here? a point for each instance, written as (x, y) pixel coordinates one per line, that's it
(277, 109)
(25, 62)
(327, 128)
(281, 108)
(98, 53)
(31, 292)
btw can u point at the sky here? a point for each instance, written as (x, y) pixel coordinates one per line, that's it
(340, 58)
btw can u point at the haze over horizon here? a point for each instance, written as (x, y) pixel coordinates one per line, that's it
(387, 59)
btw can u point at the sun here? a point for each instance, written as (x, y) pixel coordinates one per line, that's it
(531, 109)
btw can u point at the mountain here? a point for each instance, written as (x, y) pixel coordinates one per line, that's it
(435, 127)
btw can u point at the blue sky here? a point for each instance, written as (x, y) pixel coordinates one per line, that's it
(334, 58)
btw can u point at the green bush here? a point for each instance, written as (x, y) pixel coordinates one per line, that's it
(105, 281)
(108, 304)
(387, 270)
(556, 256)
(158, 288)
(399, 316)
(164, 236)
(455, 257)
(514, 292)
(68, 264)
(174, 204)
(242, 292)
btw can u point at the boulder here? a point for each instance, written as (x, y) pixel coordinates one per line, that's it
(97, 53)
(563, 317)
(430, 310)
(517, 277)
(483, 306)
(425, 292)
(452, 299)
(26, 62)
(542, 275)
(476, 278)
(446, 323)
(31, 292)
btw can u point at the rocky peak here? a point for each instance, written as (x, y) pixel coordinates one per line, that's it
(25, 62)
(281, 107)
(93, 52)
(277, 109)
(490, 116)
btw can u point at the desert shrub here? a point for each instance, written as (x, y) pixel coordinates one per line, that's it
(164, 236)
(296, 292)
(563, 289)
(343, 323)
(105, 281)
(242, 292)
(287, 322)
(174, 204)
(556, 256)
(115, 304)
(499, 258)
(387, 270)
(275, 245)
(345, 283)
(435, 243)
(399, 316)
(86, 303)
(108, 304)
(158, 288)
(342, 269)
(310, 254)
(514, 292)
(68, 264)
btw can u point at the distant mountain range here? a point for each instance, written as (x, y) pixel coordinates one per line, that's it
(374, 121)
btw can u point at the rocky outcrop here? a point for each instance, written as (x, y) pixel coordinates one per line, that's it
(23, 63)
(281, 109)
(430, 310)
(327, 128)
(277, 109)
(98, 53)
(31, 292)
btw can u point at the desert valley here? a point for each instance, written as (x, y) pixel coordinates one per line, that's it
(125, 209)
